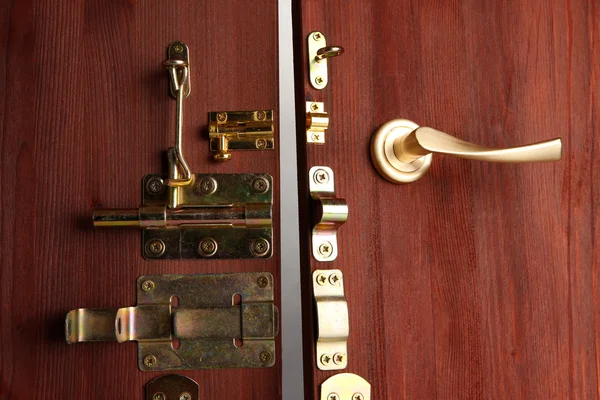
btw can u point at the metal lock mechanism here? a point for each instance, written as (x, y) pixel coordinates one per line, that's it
(198, 216)
(317, 122)
(203, 331)
(240, 130)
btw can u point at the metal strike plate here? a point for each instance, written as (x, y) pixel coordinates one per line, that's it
(346, 387)
(172, 387)
(332, 319)
(317, 122)
(206, 322)
(240, 130)
(333, 213)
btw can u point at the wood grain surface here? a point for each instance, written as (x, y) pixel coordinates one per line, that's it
(84, 115)
(480, 280)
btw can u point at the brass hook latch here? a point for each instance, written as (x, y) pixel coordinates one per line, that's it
(318, 53)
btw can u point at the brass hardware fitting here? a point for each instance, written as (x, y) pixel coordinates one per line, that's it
(318, 53)
(346, 387)
(402, 151)
(332, 319)
(333, 213)
(206, 322)
(317, 122)
(172, 387)
(240, 130)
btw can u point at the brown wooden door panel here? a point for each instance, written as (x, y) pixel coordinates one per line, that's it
(479, 280)
(85, 115)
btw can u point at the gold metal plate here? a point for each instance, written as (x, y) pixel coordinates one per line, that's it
(172, 387)
(240, 130)
(317, 122)
(346, 387)
(206, 322)
(317, 69)
(332, 319)
(179, 51)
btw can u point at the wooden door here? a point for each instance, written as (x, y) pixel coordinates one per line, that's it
(479, 280)
(85, 114)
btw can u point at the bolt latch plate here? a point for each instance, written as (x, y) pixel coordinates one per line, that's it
(333, 213)
(317, 70)
(172, 387)
(332, 319)
(206, 323)
(317, 122)
(346, 387)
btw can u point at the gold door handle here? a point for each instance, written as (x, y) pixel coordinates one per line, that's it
(402, 150)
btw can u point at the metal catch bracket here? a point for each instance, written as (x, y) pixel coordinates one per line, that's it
(206, 322)
(240, 130)
(332, 318)
(317, 122)
(346, 387)
(333, 213)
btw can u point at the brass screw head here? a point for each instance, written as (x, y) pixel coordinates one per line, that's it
(185, 396)
(178, 48)
(261, 144)
(315, 137)
(358, 396)
(321, 279)
(333, 396)
(207, 185)
(326, 249)
(261, 115)
(334, 278)
(325, 359)
(155, 248)
(339, 358)
(314, 106)
(150, 361)
(159, 396)
(207, 247)
(319, 80)
(260, 185)
(262, 281)
(265, 356)
(317, 35)
(221, 117)
(148, 286)
(260, 247)
(155, 185)
(321, 176)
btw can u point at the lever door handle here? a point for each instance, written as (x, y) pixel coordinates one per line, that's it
(402, 150)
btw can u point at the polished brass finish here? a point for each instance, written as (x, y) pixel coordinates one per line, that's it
(346, 387)
(332, 319)
(233, 210)
(240, 130)
(333, 213)
(402, 150)
(206, 322)
(317, 122)
(172, 387)
(318, 53)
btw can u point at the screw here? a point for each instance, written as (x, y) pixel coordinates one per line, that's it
(260, 185)
(339, 358)
(333, 396)
(207, 247)
(221, 117)
(262, 281)
(149, 361)
(334, 278)
(325, 359)
(317, 36)
(319, 80)
(207, 185)
(159, 396)
(265, 356)
(260, 247)
(178, 48)
(321, 176)
(357, 396)
(261, 143)
(326, 249)
(315, 137)
(185, 396)
(155, 248)
(314, 106)
(155, 185)
(321, 279)
(148, 286)
(261, 115)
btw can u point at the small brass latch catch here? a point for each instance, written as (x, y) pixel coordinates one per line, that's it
(317, 122)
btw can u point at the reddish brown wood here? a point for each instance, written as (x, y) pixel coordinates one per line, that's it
(85, 114)
(480, 280)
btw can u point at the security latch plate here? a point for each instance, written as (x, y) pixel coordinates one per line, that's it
(240, 130)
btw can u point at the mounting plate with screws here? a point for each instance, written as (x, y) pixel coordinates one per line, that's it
(346, 387)
(172, 387)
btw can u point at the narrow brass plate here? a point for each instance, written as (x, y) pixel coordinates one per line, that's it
(346, 387)
(317, 69)
(317, 122)
(172, 387)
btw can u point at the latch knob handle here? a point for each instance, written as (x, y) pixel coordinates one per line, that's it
(402, 150)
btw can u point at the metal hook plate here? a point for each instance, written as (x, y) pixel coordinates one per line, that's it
(318, 53)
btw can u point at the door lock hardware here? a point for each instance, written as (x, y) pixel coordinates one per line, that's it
(195, 216)
(332, 319)
(346, 387)
(333, 213)
(317, 122)
(202, 331)
(240, 130)
(402, 151)
(172, 387)
(318, 53)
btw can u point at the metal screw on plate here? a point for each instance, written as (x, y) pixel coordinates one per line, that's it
(207, 185)
(358, 396)
(326, 249)
(339, 358)
(148, 286)
(150, 361)
(221, 117)
(155, 185)
(321, 176)
(207, 247)
(260, 247)
(261, 144)
(262, 281)
(261, 115)
(334, 278)
(325, 359)
(321, 279)
(178, 48)
(314, 106)
(317, 35)
(319, 80)
(185, 396)
(260, 185)
(159, 396)
(265, 356)
(155, 248)
(315, 137)
(333, 396)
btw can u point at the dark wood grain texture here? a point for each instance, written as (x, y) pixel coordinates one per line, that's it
(480, 280)
(84, 115)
